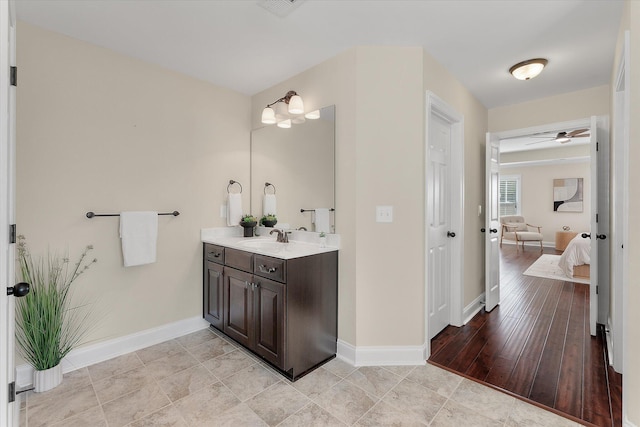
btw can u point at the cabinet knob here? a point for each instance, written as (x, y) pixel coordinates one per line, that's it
(215, 254)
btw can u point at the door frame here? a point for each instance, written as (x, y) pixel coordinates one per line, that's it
(435, 105)
(8, 411)
(620, 211)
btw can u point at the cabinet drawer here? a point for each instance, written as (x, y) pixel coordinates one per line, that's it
(238, 259)
(271, 268)
(214, 253)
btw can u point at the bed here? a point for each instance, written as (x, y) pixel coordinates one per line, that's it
(575, 259)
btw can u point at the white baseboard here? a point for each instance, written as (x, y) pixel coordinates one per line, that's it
(105, 350)
(382, 356)
(473, 308)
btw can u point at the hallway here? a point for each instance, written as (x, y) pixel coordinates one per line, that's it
(536, 344)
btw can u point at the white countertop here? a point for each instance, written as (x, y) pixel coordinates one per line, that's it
(301, 243)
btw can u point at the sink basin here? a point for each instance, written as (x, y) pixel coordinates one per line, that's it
(264, 245)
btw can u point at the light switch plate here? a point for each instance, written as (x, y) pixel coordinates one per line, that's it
(384, 213)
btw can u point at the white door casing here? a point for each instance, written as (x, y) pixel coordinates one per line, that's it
(492, 222)
(620, 204)
(444, 190)
(8, 411)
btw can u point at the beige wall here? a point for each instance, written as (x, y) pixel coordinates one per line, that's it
(103, 132)
(631, 378)
(560, 108)
(537, 196)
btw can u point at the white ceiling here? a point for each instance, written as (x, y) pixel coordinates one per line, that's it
(239, 45)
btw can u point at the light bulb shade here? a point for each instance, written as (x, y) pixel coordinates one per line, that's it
(268, 116)
(295, 105)
(312, 115)
(281, 111)
(285, 124)
(528, 69)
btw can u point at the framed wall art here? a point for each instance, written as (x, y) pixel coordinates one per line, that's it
(568, 195)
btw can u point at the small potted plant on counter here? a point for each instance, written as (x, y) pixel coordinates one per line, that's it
(268, 220)
(248, 222)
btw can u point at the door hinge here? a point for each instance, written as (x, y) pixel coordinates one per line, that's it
(14, 76)
(12, 233)
(12, 391)
(597, 217)
(597, 289)
(597, 146)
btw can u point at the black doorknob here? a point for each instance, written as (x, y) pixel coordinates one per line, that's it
(451, 234)
(19, 290)
(586, 235)
(493, 230)
(482, 230)
(601, 236)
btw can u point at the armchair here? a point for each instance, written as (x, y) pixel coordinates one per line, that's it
(514, 227)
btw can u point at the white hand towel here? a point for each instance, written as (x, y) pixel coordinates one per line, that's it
(321, 220)
(269, 204)
(234, 209)
(139, 234)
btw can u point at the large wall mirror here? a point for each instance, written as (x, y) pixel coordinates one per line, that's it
(299, 162)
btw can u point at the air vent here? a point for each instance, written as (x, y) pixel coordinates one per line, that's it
(281, 8)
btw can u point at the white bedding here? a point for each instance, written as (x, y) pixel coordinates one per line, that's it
(577, 253)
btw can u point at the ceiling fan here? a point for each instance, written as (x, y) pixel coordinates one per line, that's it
(562, 137)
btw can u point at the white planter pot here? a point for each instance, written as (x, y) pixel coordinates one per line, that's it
(47, 379)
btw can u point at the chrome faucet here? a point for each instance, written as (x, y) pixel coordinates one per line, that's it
(283, 236)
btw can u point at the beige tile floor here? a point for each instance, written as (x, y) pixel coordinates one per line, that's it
(203, 379)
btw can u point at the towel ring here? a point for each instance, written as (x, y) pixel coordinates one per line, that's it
(268, 184)
(231, 182)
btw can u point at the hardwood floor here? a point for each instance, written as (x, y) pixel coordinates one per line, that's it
(536, 344)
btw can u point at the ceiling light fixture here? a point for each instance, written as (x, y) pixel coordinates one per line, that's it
(288, 109)
(526, 70)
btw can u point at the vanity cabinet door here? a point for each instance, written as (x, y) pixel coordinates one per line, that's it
(270, 317)
(238, 306)
(213, 294)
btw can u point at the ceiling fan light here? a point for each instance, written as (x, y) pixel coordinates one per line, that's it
(563, 139)
(527, 70)
(296, 106)
(268, 116)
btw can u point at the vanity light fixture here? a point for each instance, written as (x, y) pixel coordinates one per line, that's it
(527, 70)
(288, 109)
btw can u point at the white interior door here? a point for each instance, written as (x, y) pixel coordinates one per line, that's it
(444, 216)
(492, 223)
(8, 410)
(599, 270)
(439, 229)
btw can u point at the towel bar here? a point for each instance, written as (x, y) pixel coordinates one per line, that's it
(92, 214)
(312, 210)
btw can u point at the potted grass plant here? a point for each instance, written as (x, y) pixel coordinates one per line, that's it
(48, 324)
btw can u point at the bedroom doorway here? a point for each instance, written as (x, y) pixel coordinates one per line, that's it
(586, 156)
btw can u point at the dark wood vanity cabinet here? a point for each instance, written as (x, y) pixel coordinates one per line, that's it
(283, 310)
